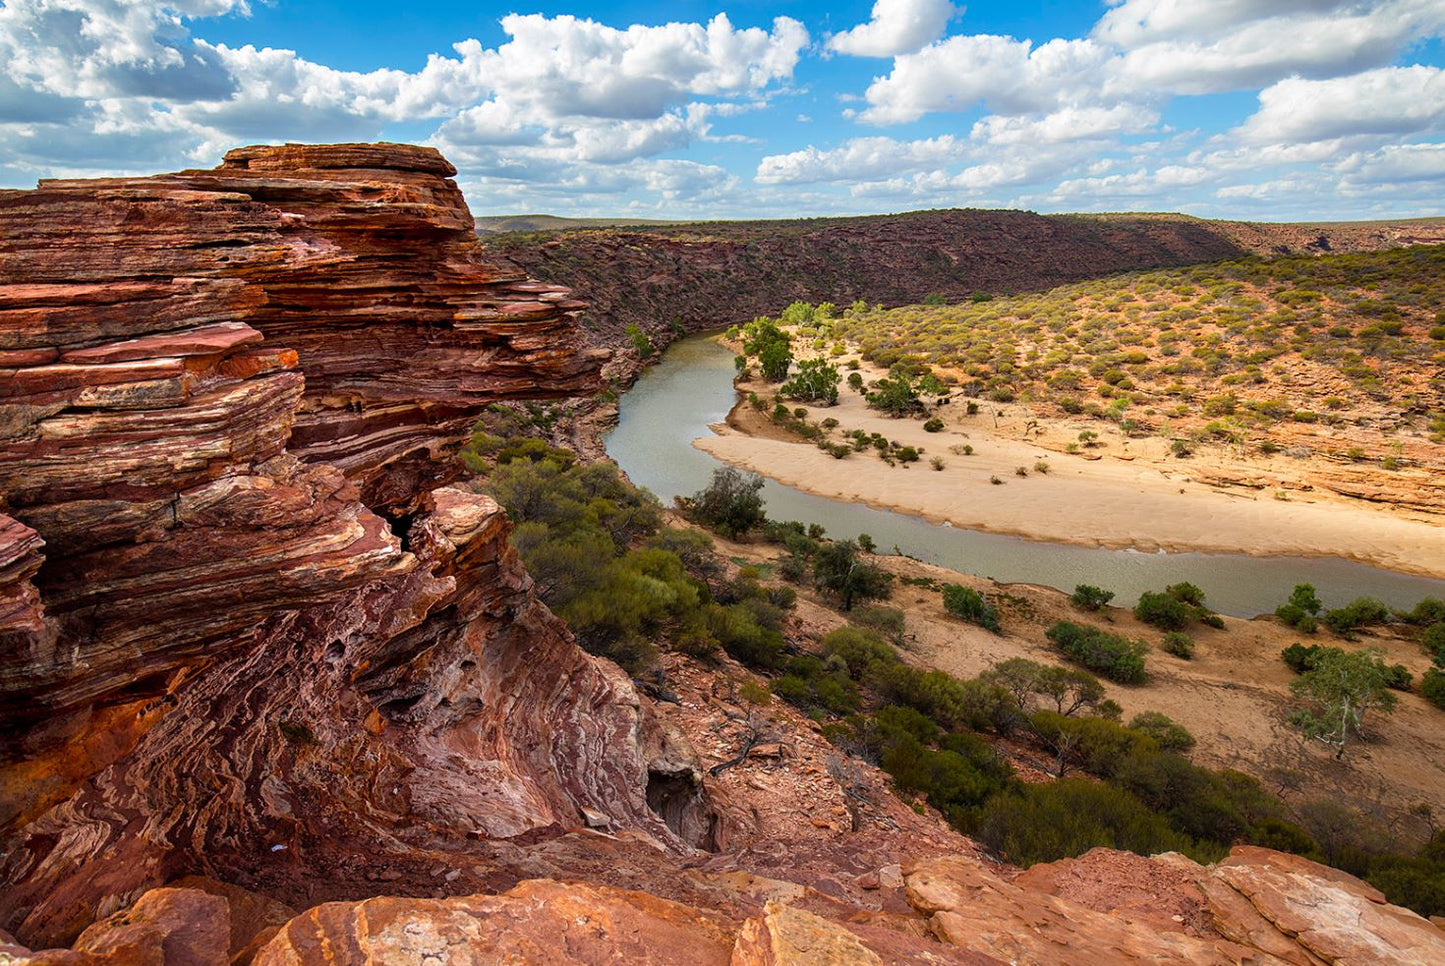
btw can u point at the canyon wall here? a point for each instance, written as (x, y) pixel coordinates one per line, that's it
(694, 277)
(274, 687)
(244, 622)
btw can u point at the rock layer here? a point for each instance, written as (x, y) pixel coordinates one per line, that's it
(242, 627)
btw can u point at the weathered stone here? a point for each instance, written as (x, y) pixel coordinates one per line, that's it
(536, 922)
(186, 926)
(1328, 913)
(784, 936)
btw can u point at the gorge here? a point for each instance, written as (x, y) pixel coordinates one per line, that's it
(276, 688)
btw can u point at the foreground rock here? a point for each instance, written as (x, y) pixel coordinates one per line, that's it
(242, 628)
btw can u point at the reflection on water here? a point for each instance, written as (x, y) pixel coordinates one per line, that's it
(676, 401)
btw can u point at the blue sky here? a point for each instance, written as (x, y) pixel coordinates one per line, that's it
(1253, 109)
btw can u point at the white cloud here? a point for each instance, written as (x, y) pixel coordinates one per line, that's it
(1390, 101)
(896, 27)
(1393, 165)
(1067, 124)
(1009, 76)
(121, 86)
(859, 159)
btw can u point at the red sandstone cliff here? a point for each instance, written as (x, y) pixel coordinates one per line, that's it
(241, 627)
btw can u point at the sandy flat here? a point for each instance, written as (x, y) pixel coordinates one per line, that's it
(1115, 499)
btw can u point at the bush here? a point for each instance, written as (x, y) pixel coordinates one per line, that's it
(886, 621)
(1090, 597)
(1300, 658)
(1360, 612)
(1434, 641)
(970, 605)
(857, 648)
(1179, 644)
(837, 570)
(1110, 655)
(731, 504)
(1432, 687)
(1175, 607)
(1063, 819)
(1163, 611)
(1170, 735)
(1430, 610)
(934, 425)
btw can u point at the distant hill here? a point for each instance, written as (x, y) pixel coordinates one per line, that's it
(667, 277)
(497, 224)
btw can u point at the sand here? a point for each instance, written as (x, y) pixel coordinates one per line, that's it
(1125, 493)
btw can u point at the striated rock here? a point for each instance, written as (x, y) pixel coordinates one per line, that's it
(784, 936)
(308, 246)
(1332, 916)
(973, 909)
(538, 921)
(242, 630)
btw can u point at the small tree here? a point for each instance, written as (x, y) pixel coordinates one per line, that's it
(970, 605)
(838, 570)
(1341, 689)
(814, 381)
(731, 504)
(1090, 597)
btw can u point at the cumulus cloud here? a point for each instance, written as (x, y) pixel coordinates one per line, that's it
(1199, 48)
(896, 27)
(122, 85)
(1389, 101)
(1009, 76)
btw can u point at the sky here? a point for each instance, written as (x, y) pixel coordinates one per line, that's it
(1267, 110)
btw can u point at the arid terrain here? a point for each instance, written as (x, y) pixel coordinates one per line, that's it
(314, 651)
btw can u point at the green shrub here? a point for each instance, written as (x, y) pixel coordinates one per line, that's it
(1434, 641)
(1432, 687)
(1430, 610)
(857, 648)
(934, 425)
(972, 606)
(1090, 597)
(1063, 819)
(886, 621)
(1300, 659)
(731, 504)
(1110, 655)
(1175, 607)
(1163, 611)
(1179, 644)
(1360, 612)
(1170, 735)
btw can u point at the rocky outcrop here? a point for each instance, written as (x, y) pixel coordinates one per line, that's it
(1263, 907)
(243, 629)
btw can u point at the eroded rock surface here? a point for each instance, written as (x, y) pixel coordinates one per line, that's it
(242, 628)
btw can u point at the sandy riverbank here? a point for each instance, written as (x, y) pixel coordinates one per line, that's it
(1119, 495)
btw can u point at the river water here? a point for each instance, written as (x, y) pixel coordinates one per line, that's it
(691, 388)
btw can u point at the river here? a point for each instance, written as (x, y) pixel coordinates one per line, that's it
(691, 389)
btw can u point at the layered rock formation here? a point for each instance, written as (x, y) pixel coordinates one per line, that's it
(241, 625)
